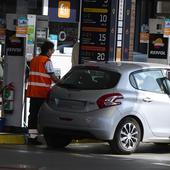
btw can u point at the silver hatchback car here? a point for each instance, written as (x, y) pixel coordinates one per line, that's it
(122, 103)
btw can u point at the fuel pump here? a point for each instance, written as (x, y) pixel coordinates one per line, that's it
(24, 33)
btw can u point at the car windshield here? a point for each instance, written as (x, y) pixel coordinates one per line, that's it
(89, 78)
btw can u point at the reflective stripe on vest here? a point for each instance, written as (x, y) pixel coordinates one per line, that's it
(38, 84)
(38, 74)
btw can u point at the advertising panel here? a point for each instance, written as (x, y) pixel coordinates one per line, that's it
(166, 27)
(158, 46)
(14, 45)
(30, 38)
(2, 30)
(21, 28)
(64, 11)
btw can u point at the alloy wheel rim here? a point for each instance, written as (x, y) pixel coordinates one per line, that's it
(129, 136)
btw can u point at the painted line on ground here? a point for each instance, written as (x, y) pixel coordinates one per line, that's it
(161, 164)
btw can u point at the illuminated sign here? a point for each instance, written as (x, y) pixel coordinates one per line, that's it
(158, 46)
(64, 9)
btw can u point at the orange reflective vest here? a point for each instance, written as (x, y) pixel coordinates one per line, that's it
(39, 82)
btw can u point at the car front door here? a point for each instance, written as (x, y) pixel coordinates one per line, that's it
(153, 102)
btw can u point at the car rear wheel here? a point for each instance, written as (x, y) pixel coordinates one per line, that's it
(56, 141)
(127, 137)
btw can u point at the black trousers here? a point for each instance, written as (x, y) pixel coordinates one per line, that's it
(35, 104)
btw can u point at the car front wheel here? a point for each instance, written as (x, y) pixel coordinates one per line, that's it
(127, 137)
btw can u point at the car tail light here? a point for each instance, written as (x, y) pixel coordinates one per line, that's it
(111, 99)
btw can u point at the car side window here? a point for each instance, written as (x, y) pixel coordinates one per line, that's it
(147, 80)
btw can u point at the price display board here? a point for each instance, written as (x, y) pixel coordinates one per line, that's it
(97, 30)
(126, 32)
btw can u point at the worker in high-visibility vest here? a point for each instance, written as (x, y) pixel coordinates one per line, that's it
(41, 76)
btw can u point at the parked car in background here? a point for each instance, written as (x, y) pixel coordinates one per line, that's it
(123, 103)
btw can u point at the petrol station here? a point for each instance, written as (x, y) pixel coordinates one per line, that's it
(108, 30)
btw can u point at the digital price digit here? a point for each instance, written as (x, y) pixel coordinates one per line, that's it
(102, 37)
(100, 56)
(103, 18)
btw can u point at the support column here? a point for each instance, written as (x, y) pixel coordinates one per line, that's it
(45, 7)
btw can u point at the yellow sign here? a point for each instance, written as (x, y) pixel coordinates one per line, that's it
(166, 31)
(64, 9)
(21, 31)
(95, 10)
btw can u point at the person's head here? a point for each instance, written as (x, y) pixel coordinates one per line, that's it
(47, 48)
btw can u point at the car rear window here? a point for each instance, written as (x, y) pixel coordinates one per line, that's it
(89, 78)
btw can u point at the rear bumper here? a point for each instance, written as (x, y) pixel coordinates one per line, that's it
(99, 124)
(71, 133)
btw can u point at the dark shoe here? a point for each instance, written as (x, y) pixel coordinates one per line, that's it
(33, 141)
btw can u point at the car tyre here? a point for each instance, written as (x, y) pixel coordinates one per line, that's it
(56, 141)
(127, 137)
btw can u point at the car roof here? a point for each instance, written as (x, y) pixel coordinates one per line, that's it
(124, 66)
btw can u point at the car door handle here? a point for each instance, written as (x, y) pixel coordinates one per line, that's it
(147, 99)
